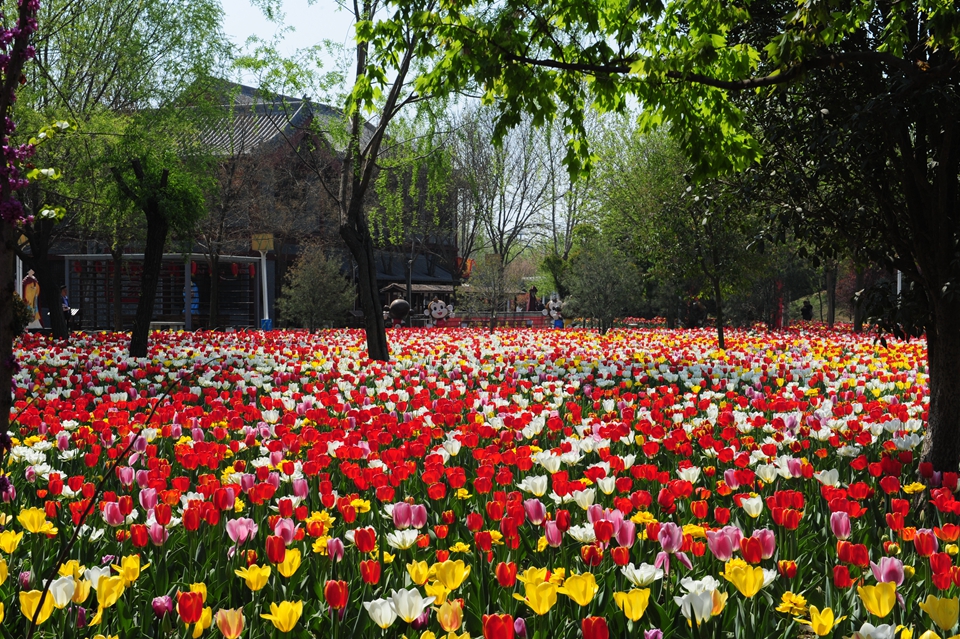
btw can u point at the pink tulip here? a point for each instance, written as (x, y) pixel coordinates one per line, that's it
(730, 478)
(768, 542)
(401, 515)
(158, 534)
(670, 537)
(594, 513)
(274, 479)
(734, 534)
(418, 516)
(335, 549)
(554, 535)
(148, 498)
(162, 605)
(242, 529)
(247, 482)
(300, 488)
(720, 545)
(112, 514)
(535, 510)
(890, 570)
(840, 524)
(286, 530)
(627, 534)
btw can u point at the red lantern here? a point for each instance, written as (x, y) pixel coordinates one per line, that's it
(77, 267)
(193, 268)
(235, 269)
(253, 271)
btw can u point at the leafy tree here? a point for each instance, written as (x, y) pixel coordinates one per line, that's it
(604, 284)
(396, 42)
(316, 291)
(887, 70)
(16, 40)
(171, 197)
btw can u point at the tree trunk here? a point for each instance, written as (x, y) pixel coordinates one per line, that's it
(858, 302)
(157, 227)
(39, 237)
(8, 239)
(214, 322)
(356, 235)
(831, 284)
(719, 300)
(117, 255)
(942, 447)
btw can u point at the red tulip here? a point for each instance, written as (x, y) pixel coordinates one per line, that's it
(189, 606)
(365, 539)
(497, 627)
(337, 594)
(595, 628)
(370, 571)
(276, 549)
(506, 574)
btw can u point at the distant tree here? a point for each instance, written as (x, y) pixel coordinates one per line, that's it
(604, 283)
(316, 292)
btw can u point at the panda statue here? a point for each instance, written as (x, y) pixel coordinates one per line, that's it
(438, 312)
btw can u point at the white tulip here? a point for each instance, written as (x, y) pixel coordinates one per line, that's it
(409, 604)
(381, 611)
(642, 575)
(62, 590)
(753, 506)
(402, 539)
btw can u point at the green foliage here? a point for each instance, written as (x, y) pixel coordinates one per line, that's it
(22, 314)
(604, 284)
(316, 293)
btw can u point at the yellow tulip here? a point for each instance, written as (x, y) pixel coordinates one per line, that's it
(719, 601)
(72, 568)
(290, 564)
(942, 611)
(109, 590)
(230, 622)
(419, 572)
(748, 580)
(255, 576)
(9, 541)
(821, 621)
(201, 588)
(82, 591)
(29, 602)
(3, 570)
(540, 597)
(130, 568)
(580, 588)
(206, 620)
(35, 520)
(1, 612)
(452, 573)
(285, 615)
(450, 615)
(533, 576)
(438, 591)
(633, 603)
(879, 599)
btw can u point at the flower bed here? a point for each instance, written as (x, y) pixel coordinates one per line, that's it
(528, 483)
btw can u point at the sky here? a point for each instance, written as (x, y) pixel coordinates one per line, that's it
(312, 23)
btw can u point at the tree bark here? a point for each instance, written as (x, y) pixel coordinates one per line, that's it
(38, 235)
(942, 447)
(8, 239)
(858, 302)
(356, 235)
(718, 297)
(830, 276)
(214, 321)
(157, 227)
(117, 254)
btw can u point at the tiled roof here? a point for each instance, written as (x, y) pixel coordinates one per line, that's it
(255, 121)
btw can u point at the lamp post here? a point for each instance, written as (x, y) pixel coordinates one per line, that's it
(263, 242)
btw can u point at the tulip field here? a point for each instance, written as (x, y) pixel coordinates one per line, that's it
(528, 484)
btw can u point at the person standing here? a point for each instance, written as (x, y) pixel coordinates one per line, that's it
(65, 305)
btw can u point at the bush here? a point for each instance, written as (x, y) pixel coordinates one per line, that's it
(316, 293)
(22, 314)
